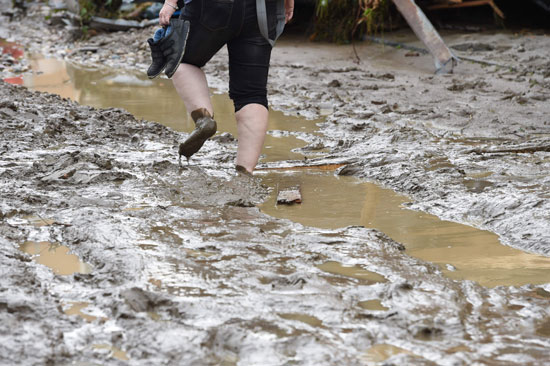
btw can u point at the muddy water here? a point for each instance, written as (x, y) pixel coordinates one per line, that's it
(56, 257)
(113, 351)
(379, 353)
(76, 309)
(461, 251)
(155, 100)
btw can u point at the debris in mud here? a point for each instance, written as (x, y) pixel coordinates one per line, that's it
(334, 84)
(473, 47)
(140, 300)
(289, 196)
(264, 267)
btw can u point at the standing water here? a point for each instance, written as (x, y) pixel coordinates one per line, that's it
(461, 251)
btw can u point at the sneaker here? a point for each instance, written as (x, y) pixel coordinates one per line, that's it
(173, 45)
(205, 127)
(159, 61)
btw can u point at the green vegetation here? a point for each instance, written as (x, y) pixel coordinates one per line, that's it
(101, 8)
(343, 20)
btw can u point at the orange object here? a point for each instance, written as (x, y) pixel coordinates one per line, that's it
(17, 80)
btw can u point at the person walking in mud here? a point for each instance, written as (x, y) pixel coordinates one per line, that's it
(249, 28)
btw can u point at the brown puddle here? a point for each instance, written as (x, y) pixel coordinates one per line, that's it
(331, 202)
(544, 329)
(115, 352)
(373, 305)
(381, 352)
(76, 309)
(352, 272)
(56, 257)
(39, 221)
(155, 100)
(328, 201)
(304, 318)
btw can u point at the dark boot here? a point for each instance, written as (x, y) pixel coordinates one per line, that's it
(159, 61)
(242, 171)
(173, 45)
(205, 127)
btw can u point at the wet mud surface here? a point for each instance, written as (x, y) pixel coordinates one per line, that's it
(177, 264)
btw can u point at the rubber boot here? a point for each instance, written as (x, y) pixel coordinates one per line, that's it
(205, 127)
(159, 61)
(242, 171)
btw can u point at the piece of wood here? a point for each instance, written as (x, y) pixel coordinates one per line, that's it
(464, 4)
(289, 196)
(425, 31)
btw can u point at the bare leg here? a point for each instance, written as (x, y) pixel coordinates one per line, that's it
(251, 126)
(190, 83)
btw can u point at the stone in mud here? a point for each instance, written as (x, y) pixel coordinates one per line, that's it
(350, 170)
(289, 196)
(334, 84)
(59, 174)
(224, 138)
(8, 104)
(140, 300)
(241, 202)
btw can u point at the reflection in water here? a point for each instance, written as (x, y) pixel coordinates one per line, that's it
(56, 257)
(155, 100)
(331, 202)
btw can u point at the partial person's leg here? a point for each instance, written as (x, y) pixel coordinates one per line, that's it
(189, 80)
(249, 56)
(251, 126)
(191, 85)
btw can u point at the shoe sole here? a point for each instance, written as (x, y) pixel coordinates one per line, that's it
(194, 142)
(182, 51)
(158, 73)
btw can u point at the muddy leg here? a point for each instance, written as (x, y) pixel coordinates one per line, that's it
(251, 127)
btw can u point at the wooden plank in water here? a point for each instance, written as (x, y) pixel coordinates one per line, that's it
(289, 196)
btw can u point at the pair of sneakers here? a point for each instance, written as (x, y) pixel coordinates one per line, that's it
(168, 48)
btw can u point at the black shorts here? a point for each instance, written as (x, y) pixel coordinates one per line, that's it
(215, 23)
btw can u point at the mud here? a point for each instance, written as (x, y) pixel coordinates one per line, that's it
(186, 269)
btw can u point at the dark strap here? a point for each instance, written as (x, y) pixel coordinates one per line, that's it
(262, 20)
